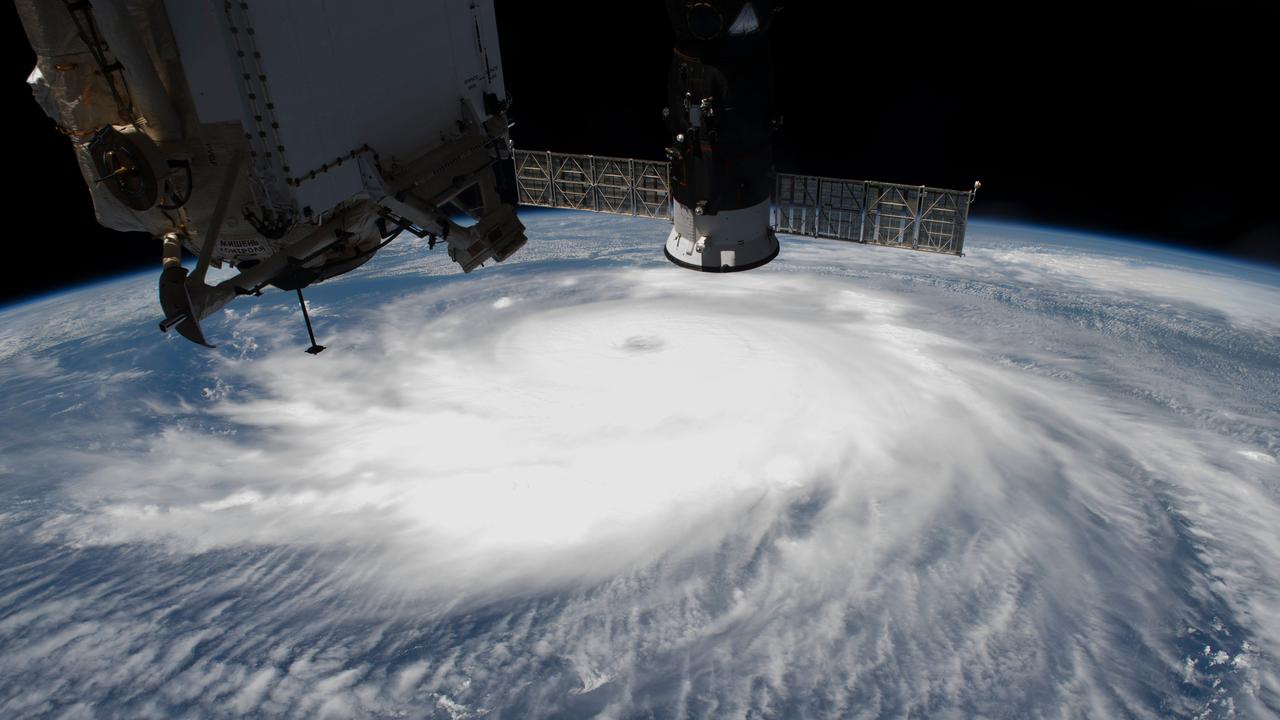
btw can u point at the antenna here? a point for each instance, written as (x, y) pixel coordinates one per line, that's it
(314, 349)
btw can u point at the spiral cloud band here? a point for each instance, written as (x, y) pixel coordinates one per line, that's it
(1037, 481)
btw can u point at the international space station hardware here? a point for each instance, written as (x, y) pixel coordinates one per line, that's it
(622, 186)
(289, 145)
(915, 217)
(721, 120)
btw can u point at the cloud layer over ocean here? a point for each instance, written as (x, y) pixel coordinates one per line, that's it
(1034, 481)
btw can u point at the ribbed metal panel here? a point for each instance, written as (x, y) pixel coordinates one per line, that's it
(622, 186)
(906, 216)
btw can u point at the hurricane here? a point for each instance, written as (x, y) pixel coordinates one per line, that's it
(1040, 480)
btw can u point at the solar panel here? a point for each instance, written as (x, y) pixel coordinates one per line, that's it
(622, 186)
(914, 217)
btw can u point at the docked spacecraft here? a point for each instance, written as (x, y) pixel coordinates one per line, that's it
(283, 145)
(721, 119)
(717, 185)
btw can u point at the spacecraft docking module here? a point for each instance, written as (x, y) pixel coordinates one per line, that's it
(717, 186)
(288, 145)
(720, 115)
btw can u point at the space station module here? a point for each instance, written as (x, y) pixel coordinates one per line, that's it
(288, 145)
(721, 120)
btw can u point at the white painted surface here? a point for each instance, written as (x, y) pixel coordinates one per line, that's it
(728, 239)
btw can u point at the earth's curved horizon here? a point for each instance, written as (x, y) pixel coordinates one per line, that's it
(1042, 480)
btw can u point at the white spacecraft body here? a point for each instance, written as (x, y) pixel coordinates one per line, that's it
(288, 142)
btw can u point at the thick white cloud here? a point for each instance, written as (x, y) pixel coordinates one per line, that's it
(592, 423)
(860, 483)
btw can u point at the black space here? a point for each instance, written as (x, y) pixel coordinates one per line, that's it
(1148, 121)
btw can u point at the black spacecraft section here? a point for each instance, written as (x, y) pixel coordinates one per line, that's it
(720, 104)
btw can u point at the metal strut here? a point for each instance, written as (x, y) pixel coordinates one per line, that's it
(87, 28)
(314, 349)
